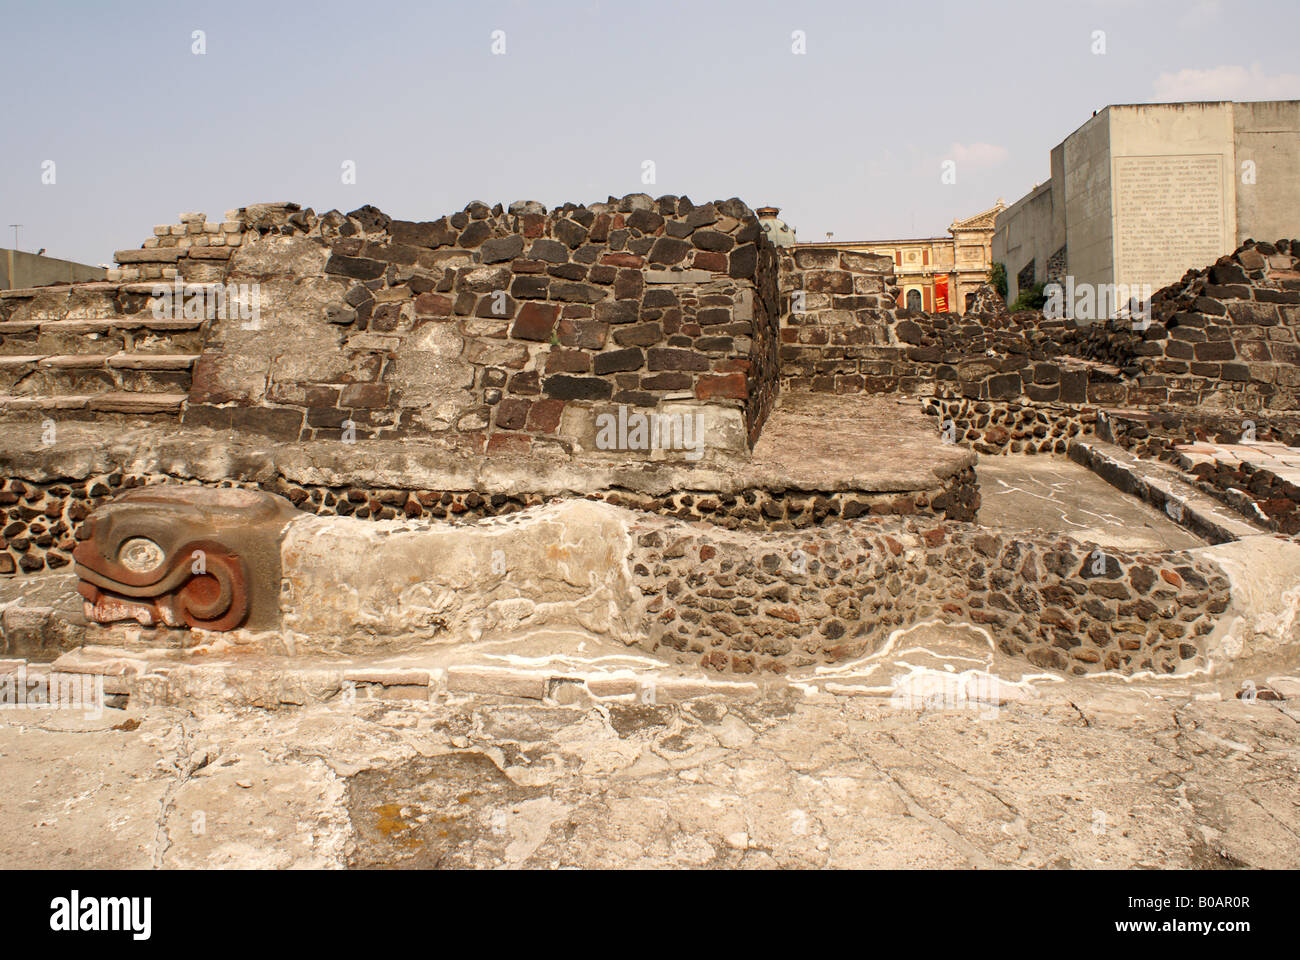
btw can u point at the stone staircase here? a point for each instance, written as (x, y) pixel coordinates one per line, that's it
(108, 348)
(68, 352)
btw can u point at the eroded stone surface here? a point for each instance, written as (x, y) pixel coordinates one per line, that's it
(350, 583)
(1083, 775)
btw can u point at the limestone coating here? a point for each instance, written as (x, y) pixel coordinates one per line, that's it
(352, 584)
(1086, 774)
(1265, 577)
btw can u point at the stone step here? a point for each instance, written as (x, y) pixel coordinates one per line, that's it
(96, 361)
(137, 321)
(113, 402)
(133, 334)
(1165, 488)
(104, 288)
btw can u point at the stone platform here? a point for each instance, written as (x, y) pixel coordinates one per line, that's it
(1081, 772)
(882, 457)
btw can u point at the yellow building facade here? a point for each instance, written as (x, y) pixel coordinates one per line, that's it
(935, 274)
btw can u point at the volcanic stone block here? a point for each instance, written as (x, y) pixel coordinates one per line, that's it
(619, 360)
(667, 381)
(1215, 350)
(618, 311)
(638, 335)
(552, 251)
(569, 233)
(358, 268)
(659, 298)
(828, 281)
(647, 221)
(429, 234)
(667, 250)
(670, 358)
(713, 240)
(535, 321)
(1074, 386)
(474, 234)
(527, 287)
(1004, 386)
(577, 292)
(502, 248)
(564, 387)
(744, 262)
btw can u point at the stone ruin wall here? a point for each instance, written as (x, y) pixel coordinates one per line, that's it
(1252, 490)
(1222, 338)
(42, 504)
(748, 602)
(396, 326)
(501, 330)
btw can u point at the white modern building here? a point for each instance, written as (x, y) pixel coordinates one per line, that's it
(1143, 192)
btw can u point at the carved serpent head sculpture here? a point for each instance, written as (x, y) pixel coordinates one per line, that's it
(184, 556)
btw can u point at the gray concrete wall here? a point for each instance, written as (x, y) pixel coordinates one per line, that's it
(1268, 135)
(1142, 192)
(1172, 192)
(18, 268)
(1088, 213)
(1025, 232)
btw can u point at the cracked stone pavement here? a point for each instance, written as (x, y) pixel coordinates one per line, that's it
(1084, 774)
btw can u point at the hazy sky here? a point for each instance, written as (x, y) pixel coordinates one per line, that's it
(847, 137)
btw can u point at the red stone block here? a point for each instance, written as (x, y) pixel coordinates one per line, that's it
(731, 365)
(534, 224)
(535, 321)
(512, 414)
(707, 260)
(622, 260)
(587, 334)
(544, 417)
(509, 443)
(730, 385)
(364, 395)
(568, 361)
(432, 305)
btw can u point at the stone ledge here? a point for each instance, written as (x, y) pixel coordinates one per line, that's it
(138, 402)
(150, 255)
(1162, 487)
(118, 402)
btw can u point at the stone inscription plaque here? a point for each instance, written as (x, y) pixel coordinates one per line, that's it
(1169, 217)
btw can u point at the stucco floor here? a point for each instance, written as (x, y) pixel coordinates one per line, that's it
(1078, 773)
(1022, 492)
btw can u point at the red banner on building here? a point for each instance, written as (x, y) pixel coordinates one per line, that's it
(940, 294)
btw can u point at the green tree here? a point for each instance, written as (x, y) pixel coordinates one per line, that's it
(998, 277)
(1031, 299)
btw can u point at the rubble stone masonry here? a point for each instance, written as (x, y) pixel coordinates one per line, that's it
(746, 602)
